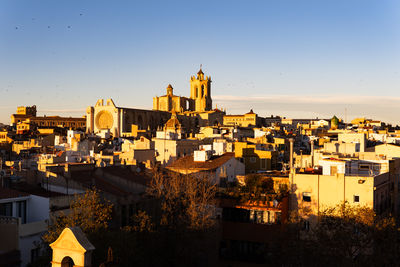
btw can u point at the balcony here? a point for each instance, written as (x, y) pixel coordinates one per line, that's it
(32, 228)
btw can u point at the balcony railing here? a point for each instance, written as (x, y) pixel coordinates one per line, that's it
(8, 220)
(32, 228)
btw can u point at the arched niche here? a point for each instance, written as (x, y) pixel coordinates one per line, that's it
(67, 262)
(72, 247)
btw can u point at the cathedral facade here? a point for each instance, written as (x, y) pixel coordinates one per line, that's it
(192, 112)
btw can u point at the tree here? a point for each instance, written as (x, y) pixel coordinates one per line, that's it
(344, 231)
(256, 187)
(141, 223)
(186, 201)
(87, 211)
(344, 235)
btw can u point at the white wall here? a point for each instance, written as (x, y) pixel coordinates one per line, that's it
(38, 209)
(233, 168)
(220, 148)
(26, 244)
(326, 167)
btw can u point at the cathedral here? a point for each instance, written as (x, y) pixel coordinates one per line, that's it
(199, 101)
(192, 113)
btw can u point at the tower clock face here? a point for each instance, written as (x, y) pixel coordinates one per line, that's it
(104, 120)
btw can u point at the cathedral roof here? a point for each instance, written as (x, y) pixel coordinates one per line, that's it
(173, 122)
(200, 72)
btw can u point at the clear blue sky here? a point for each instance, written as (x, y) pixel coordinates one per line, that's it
(291, 58)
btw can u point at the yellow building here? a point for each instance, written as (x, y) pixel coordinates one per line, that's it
(315, 193)
(171, 102)
(19, 146)
(27, 115)
(200, 91)
(363, 122)
(388, 150)
(4, 138)
(22, 114)
(57, 121)
(23, 127)
(245, 120)
(199, 101)
(255, 159)
(357, 182)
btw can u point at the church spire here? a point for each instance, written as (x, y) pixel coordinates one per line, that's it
(200, 74)
(170, 91)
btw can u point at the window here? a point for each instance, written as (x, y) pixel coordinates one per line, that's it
(258, 216)
(364, 167)
(333, 170)
(307, 197)
(306, 225)
(263, 164)
(356, 199)
(35, 253)
(21, 210)
(6, 209)
(278, 216)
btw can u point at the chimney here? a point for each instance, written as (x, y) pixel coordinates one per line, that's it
(291, 140)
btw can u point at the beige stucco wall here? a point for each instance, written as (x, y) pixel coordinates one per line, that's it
(327, 191)
(388, 150)
(169, 150)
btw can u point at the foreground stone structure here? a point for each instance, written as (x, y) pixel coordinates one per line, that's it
(72, 248)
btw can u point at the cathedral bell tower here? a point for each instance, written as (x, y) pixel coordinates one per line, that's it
(200, 91)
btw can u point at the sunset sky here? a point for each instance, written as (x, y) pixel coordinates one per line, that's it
(293, 58)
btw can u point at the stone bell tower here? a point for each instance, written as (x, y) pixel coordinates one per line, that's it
(200, 91)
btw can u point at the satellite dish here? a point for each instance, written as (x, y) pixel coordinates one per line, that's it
(138, 169)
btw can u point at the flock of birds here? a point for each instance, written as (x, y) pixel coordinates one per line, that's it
(68, 27)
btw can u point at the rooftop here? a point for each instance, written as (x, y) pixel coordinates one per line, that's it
(6, 193)
(188, 162)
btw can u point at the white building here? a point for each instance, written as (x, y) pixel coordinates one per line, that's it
(23, 219)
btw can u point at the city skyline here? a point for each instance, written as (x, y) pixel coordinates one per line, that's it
(291, 59)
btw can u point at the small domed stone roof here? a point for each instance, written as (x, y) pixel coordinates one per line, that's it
(173, 122)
